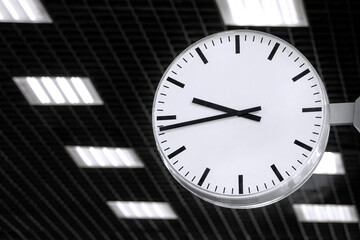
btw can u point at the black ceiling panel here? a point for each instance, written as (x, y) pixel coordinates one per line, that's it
(124, 46)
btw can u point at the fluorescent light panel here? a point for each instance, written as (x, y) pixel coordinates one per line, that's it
(331, 163)
(142, 210)
(23, 11)
(58, 90)
(277, 13)
(326, 213)
(104, 157)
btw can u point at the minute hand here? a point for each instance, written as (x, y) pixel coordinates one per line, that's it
(225, 109)
(208, 119)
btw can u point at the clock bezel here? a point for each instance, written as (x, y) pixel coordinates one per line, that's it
(271, 195)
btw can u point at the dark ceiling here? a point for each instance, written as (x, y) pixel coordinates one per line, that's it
(124, 47)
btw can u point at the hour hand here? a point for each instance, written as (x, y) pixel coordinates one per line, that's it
(228, 110)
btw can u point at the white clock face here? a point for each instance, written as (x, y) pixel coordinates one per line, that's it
(240, 118)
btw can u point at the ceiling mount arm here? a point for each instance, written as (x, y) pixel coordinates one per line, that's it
(345, 114)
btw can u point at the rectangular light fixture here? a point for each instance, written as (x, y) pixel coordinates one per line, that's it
(23, 11)
(104, 157)
(331, 163)
(326, 213)
(276, 13)
(58, 90)
(142, 210)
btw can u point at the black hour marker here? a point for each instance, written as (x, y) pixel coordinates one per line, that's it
(168, 117)
(237, 44)
(273, 51)
(303, 145)
(315, 109)
(201, 55)
(171, 155)
(175, 82)
(277, 173)
(202, 179)
(240, 180)
(300, 75)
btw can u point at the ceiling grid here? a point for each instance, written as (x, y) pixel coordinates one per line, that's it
(124, 47)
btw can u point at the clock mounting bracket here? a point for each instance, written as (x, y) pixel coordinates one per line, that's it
(345, 114)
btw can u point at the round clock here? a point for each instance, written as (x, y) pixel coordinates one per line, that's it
(241, 119)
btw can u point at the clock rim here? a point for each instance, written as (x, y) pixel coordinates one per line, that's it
(279, 191)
